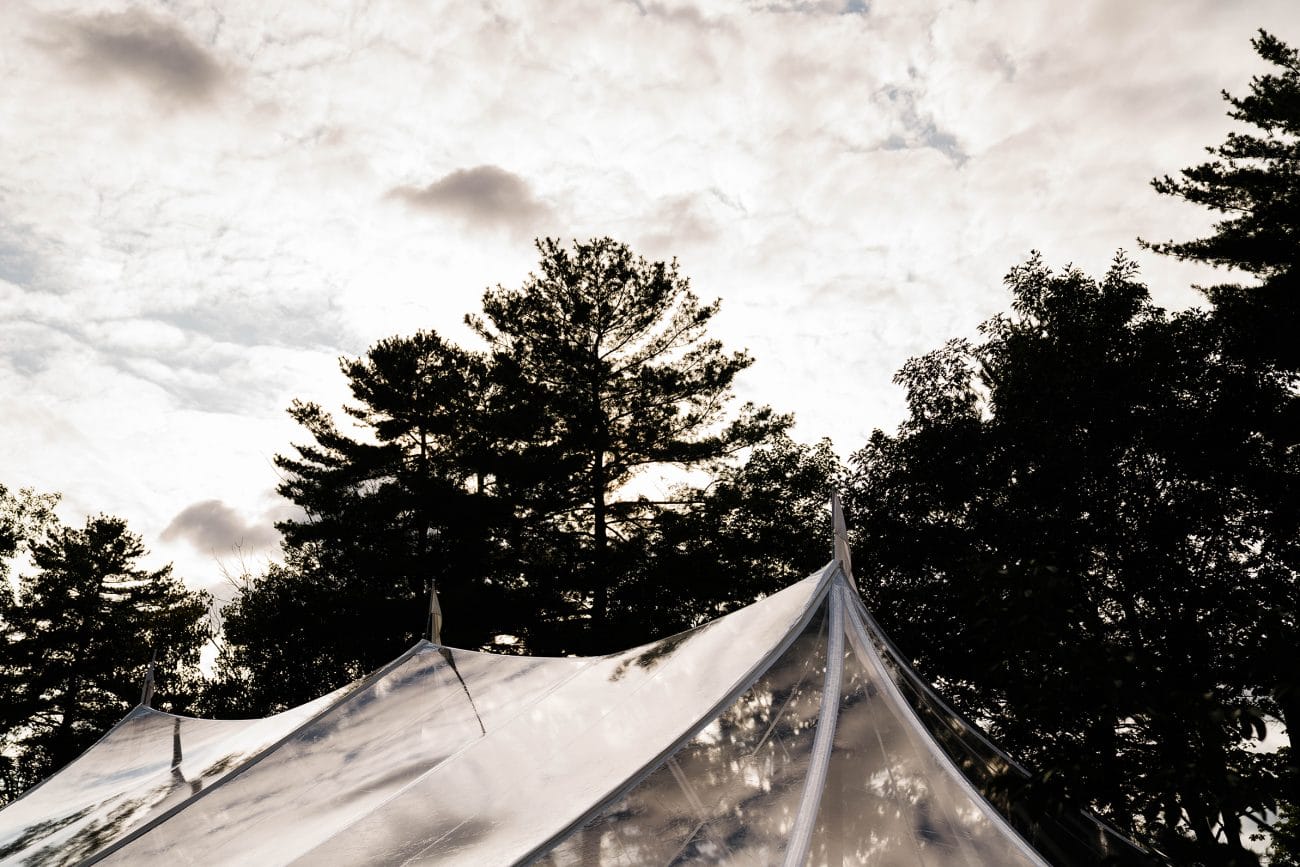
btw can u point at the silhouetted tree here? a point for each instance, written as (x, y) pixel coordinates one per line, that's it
(383, 516)
(1253, 178)
(77, 639)
(1253, 182)
(758, 527)
(1075, 527)
(501, 476)
(25, 516)
(607, 354)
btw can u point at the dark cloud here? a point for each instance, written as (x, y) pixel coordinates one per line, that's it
(136, 45)
(212, 526)
(686, 15)
(485, 196)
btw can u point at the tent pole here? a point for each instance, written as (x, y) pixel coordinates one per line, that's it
(435, 614)
(805, 822)
(146, 690)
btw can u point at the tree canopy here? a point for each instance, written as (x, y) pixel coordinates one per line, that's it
(76, 640)
(1254, 182)
(1081, 497)
(1101, 497)
(607, 355)
(502, 476)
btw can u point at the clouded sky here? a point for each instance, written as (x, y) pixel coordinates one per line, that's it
(203, 205)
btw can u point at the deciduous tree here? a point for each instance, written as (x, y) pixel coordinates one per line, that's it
(1075, 528)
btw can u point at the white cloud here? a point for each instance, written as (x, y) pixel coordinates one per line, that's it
(196, 219)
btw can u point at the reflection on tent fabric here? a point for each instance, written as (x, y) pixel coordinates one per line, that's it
(789, 732)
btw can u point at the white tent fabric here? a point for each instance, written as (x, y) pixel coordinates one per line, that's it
(779, 734)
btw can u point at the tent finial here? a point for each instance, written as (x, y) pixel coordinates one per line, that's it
(146, 691)
(840, 547)
(435, 614)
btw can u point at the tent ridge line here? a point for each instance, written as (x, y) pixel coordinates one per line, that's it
(796, 850)
(364, 683)
(743, 684)
(130, 715)
(515, 713)
(878, 632)
(970, 728)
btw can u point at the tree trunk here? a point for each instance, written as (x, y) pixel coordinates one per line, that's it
(64, 739)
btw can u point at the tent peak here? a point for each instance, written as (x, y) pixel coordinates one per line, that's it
(840, 543)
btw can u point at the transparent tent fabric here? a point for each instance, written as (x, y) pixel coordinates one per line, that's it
(731, 793)
(827, 718)
(748, 789)
(444, 755)
(1068, 838)
(529, 781)
(788, 732)
(349, 760)
(143, 766)
(926, 811)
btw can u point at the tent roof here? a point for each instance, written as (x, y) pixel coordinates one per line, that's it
(786, 732)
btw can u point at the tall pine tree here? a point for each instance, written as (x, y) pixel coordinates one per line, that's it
(502, 476)
(1253, 181)
(608, 354)
(403, 502)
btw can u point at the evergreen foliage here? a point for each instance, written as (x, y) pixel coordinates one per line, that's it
(607, 354)
(760, 526)
(1254, 181)
(77, 638)
(383, 515)
(502, 477)
(1255, 177)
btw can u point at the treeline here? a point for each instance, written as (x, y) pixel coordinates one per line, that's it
(502, 476)
(1087, 530)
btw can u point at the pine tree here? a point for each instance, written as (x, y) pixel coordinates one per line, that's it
(78, 637)
(401, 503)
(1254, 181)
(607, 354)
(1255, 178)
(502, 476)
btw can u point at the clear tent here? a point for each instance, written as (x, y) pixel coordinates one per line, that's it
(789, 732)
